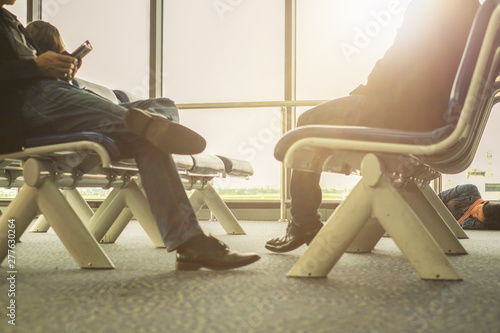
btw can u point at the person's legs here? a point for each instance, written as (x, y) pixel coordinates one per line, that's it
(304, 186)
(163, 106)
(56, 107)
(53, 107)
(167, 198)
(306, 197)
(176, 219)
(158, 130)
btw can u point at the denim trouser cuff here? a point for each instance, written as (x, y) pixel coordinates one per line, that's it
(184, 238)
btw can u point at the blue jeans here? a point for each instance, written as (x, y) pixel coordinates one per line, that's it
(54, 106)
(304, 187)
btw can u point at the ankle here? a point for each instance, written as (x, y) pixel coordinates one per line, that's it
(194, 242)
(313, 224)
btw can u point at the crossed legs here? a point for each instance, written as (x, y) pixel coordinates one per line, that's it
(54, 106)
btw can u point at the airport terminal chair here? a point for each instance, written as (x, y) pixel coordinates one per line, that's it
(393, 194)
(47, 167)
(91, 159)
(196, 173)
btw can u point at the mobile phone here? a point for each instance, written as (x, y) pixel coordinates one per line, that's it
(82, 50)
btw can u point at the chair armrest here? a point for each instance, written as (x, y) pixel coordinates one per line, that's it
(316, 143)
(237, 168)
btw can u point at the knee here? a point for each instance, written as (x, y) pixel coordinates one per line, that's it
(305, 119)
(316, 115)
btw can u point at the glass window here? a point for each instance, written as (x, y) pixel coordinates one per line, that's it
(246, 134)
(338, 42)
(119, 33)
(227, 51)
(223, 50)
(20, 10)
(484, 171)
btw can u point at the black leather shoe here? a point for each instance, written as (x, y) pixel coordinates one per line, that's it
(202, 251)
(165, 134)
(294, 237)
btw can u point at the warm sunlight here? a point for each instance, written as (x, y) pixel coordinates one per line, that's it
(340, 41)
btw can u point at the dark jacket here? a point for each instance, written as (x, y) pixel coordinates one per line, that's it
(458, 200)
(411, 84)
(15, 74)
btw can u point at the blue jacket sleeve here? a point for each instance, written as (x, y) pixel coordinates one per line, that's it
(18, 70)
(12, 69)
(452, 193)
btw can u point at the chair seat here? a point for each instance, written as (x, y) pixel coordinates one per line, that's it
(207, 164)
(96, 137)
(184, 163)
(365, 134)
(236, 168)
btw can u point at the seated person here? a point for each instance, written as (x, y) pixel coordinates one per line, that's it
(469, 209)
(48, 38)
(408, 89)
(37, 100)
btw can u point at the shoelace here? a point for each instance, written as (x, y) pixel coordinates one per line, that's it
(283, 238)
(221, 244)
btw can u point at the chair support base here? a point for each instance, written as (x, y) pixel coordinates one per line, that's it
(375, 206)
(85, 250)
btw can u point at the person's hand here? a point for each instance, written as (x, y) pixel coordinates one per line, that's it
(77, 67)
(56, 66)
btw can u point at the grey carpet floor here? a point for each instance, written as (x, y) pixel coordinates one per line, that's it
(375, 292)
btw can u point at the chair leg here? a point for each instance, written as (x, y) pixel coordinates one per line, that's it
(226, 218)
(118, 209)
(197, 201)
(336, 235)
(445, 214)
(432, 220)
(41, 224)
(22, 210)
(107, 213)
(136, 201)
(367, 238)
(75, 236)
(118, 226)
(411, 235)
(76, 201)
(79, 205)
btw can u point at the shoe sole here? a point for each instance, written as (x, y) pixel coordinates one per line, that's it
(285, 249)
(163, 133)
(189, 266)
